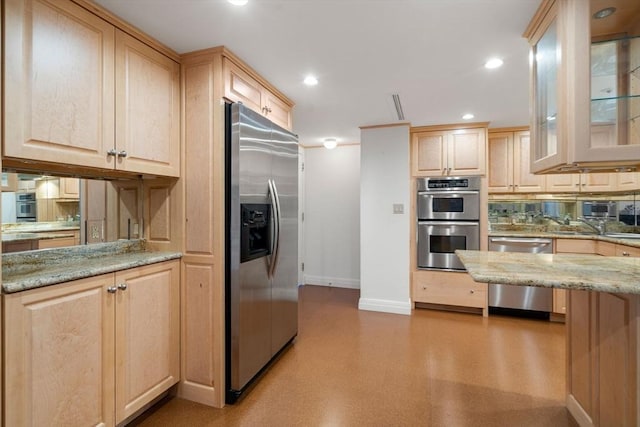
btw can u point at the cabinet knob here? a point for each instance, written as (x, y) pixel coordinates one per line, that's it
(266, 110)
(122, 286)
(472, 291)
(122, 154)
(112, 289)
(424, 288)
(625, 253)
(112, 152)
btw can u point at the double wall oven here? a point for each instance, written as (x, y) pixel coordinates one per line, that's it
(448, 215)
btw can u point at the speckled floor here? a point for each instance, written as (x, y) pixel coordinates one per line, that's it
(357, 368)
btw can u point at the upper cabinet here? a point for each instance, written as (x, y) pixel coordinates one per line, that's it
(240, 86)
(80, 92)
(147, 109)
(508, 166)
(585, 86)
(449, 150)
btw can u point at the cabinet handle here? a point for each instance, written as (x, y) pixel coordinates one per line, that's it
(122, 154)
(424, 288)
(112, 152)
(472, 291)
(112, 289)
(122, 286)
(625, 253)
(266, 110)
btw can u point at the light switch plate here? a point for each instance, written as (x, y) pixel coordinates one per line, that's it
(398, 208)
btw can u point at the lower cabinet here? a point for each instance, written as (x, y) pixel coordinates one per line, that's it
(91, 351)
(449, 288)
(602, 345)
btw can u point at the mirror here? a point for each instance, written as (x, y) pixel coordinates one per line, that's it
(44, 211)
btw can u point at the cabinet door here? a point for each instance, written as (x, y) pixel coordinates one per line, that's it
(59, 363)
(563, 183)
(69, 188)
(617, 374)
(277, 111)
(628, 181)
(240, 87)
(58, 85)
(147, 335)
(466, 152)
(597, 182)
(523, 180)
(500, 169)
(429, 153)
(560, 301)
(147, 109)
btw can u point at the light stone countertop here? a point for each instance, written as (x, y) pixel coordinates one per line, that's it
(562, 271)
(22, 271)
(19, 237)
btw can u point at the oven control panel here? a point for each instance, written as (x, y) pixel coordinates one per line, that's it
(449, 183)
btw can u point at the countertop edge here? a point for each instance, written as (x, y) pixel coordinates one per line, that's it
(82, 272)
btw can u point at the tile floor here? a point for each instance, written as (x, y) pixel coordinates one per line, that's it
(358, 368)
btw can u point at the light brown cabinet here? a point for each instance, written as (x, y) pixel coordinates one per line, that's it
(449, 150)
(9, 181)
(585, 101)
(581, 182)
(508, 170)
(450, 289)
(239, 86)
(77, 93)
(147, 138)
(92, 351)
(603, 334)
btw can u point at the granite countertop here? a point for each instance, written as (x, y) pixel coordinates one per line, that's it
(19, 237)
(563, 271)
(22, 271)
(40, 227)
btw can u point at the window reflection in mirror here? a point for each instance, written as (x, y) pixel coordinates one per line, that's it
(43, 211)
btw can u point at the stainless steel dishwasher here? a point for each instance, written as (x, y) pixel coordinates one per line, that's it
(521, 297)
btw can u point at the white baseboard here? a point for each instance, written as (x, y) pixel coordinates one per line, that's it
(385, 306)
(336, 282)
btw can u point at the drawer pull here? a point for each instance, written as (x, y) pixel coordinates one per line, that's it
(625, 253)
(424, 288)
(472, 291)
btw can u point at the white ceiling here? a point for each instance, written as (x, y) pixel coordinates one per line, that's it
(430, 52)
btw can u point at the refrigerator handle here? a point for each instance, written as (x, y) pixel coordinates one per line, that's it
(276, 223)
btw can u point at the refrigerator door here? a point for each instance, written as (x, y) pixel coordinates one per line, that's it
(284, 291)
(249, 304)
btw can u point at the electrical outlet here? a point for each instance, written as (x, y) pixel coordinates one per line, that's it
(398, 208)
(95, 232)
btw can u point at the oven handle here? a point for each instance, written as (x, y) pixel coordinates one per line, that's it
(449, 192)
(446, 223)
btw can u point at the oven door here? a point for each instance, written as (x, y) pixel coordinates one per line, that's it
(438, 241)
(449, 205)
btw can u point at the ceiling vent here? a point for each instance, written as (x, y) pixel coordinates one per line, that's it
(396, 102)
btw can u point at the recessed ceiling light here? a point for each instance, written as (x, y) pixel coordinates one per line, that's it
(493, 63)
(330, 143)
(238, 2)
(603, 13)
(310, 81)
(468, 116)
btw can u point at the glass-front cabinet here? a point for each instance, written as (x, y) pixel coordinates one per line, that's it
(585, 86)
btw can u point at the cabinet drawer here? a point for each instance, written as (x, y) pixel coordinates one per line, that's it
(576, 246)
(628, 251)
(454, 289)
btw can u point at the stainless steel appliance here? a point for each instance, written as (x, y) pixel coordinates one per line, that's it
(600, 209)
(521, 297)
(448, 213)
(26, 207)
(261, 245)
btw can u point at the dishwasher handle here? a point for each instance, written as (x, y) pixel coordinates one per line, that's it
(520, 240)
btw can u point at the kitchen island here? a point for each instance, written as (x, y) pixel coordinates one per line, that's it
(603, 319)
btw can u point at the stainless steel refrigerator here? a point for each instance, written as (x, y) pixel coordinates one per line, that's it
(261, 245)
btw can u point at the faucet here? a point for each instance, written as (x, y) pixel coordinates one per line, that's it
(554, 219)
(600, 227)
